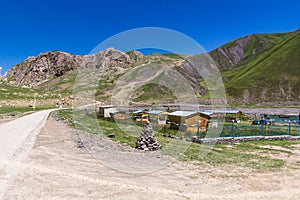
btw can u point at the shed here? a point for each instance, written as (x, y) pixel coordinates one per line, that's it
(104, 111)
(205, 117)
(118, 115)
(184, 120)
(229, 115)
(158, 116)
(140, 115)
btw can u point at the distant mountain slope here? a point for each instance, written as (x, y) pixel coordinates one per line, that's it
(256, 69)
(57, 71)
(273, 75)
(243, 50)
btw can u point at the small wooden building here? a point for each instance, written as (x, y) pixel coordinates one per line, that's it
(186, 121)
(104, 111)
(205, 117)
(224, 115)
(158, 116)
(118, 115)
(232, 115)
(140, 115)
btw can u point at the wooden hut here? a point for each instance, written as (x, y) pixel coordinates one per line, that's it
(158, 116)
(229, 115)
(140, 115)
(205, 117)
(186, 121)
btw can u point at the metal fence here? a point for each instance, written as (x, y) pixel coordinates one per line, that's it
(236, 130)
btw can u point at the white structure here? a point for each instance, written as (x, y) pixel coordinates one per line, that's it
(104, 111)
(0, 71)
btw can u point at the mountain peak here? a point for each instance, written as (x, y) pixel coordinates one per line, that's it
(37, 69)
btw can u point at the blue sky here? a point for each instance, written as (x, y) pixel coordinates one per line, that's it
(31, 27)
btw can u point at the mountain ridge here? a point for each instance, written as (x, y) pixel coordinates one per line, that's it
(258, 68)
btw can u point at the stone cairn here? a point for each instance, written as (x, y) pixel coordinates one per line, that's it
(147, 141)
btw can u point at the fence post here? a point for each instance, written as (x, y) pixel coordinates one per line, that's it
(289, 129)
(232, 129)
(263, 129)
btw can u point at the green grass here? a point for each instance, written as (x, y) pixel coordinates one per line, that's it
(270, 64)
(16, 111)
(12, 93)
(278, 66)
(173, 56)
(250, 154)
(256, 45)
(152, 91)
(237, 156)
(63, 84)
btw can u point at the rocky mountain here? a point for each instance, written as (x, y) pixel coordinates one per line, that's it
(36, 70)
(256, 69)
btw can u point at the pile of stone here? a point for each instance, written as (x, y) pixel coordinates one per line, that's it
(147, 141)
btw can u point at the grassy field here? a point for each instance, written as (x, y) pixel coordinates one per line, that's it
(8, 111)
(12, 93)
(252, 155)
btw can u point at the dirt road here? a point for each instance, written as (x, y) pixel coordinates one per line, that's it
(57, 169)
(17, 139)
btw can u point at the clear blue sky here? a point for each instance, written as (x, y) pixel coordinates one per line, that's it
(31, 27)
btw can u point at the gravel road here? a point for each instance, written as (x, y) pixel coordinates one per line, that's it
(17, 139)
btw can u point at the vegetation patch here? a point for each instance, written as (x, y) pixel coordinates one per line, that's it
(250, 154)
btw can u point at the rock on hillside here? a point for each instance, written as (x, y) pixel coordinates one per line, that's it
(36, 70)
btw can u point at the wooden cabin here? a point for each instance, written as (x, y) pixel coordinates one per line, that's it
(205, 117)
(186, 121)
(158, 116)
(140, 115)
(221, 115)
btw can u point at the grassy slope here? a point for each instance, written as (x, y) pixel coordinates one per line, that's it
(257, 44)
(153, 91)
(63, 84)
(12, 93)
(280, 64)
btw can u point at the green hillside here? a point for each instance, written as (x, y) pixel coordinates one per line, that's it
(256, 69)
(273, 75)
(245, 49)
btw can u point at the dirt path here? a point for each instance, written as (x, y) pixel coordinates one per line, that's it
(57, 169)
(17, 139)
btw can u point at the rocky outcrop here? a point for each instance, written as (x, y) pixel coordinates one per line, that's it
(36, 70)
(231, 56)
